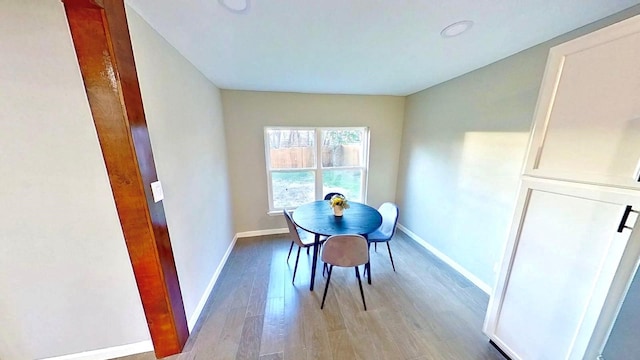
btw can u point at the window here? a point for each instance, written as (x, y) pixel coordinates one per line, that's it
(303, 164)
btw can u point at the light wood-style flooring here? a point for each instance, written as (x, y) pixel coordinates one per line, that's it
(423, 311)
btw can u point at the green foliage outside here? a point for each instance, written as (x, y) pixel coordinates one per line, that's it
(342, 137)
(294, 188)
(346, 182)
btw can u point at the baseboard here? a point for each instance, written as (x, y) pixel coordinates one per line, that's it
(191, 323)
(447, 260)
(205, 296)
(109, 353)
(262, 232)
(146, 346)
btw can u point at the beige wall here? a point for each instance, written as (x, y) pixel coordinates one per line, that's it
(246, 113)
(66, 283)
(462, 150)
(184, 115)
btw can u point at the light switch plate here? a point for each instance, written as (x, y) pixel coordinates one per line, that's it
(156, 190)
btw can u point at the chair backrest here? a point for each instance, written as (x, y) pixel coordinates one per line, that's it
(345, 250)
(293, 229)
(389, 212)
(329, 195)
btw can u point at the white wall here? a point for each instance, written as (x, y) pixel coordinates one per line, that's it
(66, 283)
(184, 115)
(246, 113)
(462, 150)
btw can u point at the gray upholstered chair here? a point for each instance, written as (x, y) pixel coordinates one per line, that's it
(384, 233)
(299, 237)
(345, 251)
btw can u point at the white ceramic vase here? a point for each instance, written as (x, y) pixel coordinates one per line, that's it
(337, 210)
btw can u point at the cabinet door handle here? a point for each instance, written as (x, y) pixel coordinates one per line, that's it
(625, 216)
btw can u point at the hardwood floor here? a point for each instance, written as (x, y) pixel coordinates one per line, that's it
(424, 311)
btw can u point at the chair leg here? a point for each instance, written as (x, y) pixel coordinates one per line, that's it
(295, 268)
(326, 287)
(359, 284)
(307, 250)
(375, 246)
(391, 257)
(364, 269)
(367, 266)
(290, 248)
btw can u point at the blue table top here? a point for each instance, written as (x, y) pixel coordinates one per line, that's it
(317, 217)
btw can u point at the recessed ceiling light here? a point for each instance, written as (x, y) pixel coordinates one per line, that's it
(456, 28)
(235, 6)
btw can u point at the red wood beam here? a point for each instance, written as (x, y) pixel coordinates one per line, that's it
(103, 47)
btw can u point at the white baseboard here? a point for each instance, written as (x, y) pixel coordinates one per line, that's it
(262, 232)
(109, 353)
(191, 323)
(447, 260)
(146, 346)
(205, 296)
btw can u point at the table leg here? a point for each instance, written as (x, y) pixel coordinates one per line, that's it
(316, 244)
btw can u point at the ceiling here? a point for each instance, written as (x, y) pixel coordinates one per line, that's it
(376, 47)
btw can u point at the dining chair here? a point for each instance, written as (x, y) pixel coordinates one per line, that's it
(384, 233)
(299, 237)
(345, 251)
(330, 195)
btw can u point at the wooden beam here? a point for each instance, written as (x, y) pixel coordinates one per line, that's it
(103, 47)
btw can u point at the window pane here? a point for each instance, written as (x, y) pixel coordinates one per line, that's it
(292, 188)
(291, 148)
(346, 182)
(342, 147)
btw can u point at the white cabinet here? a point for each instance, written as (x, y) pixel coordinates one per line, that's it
(566, 250)
(572, 248)
(587, 120)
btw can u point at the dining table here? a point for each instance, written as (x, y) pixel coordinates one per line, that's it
(317, 218)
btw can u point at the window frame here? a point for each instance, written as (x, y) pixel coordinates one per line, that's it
(319, 168)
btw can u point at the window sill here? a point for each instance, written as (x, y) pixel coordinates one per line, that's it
(274, 213)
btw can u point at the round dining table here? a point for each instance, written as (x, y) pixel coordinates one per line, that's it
(317, 218)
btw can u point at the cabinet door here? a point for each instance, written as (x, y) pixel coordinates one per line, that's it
(587, 120)
(562, 257)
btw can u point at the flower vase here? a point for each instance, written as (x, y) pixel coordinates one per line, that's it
(337, 210)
